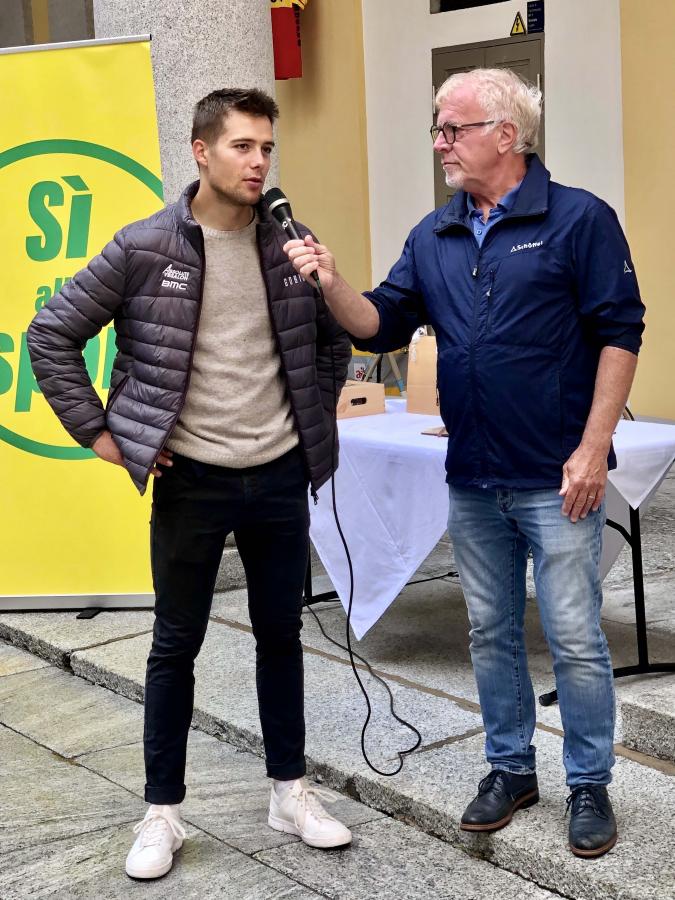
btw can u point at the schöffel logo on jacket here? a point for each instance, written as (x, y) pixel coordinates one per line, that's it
(293, 279)
(530, 246)
(175, 278)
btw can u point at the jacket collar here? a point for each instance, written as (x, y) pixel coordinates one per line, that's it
(192, 229)
(268, 230)
(186, 221)
(531, 200)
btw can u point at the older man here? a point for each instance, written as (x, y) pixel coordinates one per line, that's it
(531, 290)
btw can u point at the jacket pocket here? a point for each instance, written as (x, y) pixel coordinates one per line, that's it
(518, 396)
(115, 394)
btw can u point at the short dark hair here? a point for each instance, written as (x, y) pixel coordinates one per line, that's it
(208, 121)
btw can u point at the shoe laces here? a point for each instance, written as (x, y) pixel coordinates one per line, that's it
(586, 796)
(309, 799)
(152, 829)
(494, 780)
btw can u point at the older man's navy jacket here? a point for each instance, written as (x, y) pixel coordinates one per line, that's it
(520, 324)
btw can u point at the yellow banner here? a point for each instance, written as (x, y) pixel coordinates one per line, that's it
(79, 158)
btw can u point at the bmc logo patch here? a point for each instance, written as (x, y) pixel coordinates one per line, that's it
(175, 278)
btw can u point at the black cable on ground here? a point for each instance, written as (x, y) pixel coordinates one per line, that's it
(348, 647)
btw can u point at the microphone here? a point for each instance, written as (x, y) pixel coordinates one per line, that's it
(279, 208)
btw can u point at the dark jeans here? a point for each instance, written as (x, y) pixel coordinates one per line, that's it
(195, 507)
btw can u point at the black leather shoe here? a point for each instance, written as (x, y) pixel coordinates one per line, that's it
(500, 794)
(592, 823)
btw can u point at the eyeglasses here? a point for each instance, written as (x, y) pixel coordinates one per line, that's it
(449, 131)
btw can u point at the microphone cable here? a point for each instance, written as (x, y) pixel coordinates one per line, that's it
(279, 208)
(348, 648)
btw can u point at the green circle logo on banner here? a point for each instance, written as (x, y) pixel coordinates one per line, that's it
(60, 206)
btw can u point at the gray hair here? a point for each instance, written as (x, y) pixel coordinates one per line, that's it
(505, 97)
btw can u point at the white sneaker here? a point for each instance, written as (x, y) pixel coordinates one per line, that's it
(299, 811)
(160, 834)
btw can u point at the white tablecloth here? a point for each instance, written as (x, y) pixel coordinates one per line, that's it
(393, 502)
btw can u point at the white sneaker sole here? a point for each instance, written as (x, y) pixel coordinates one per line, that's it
(291, 828)
(147, 874)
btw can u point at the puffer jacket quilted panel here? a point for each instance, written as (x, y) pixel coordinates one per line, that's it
(133, 283)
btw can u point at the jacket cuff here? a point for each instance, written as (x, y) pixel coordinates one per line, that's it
(631, 344)
(378, 343)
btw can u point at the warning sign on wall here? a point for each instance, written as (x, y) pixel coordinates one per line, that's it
(518, 26)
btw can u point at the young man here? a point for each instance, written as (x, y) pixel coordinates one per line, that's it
(223, 389)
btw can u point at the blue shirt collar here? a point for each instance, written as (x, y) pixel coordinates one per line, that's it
(505, 204)
(532, 198)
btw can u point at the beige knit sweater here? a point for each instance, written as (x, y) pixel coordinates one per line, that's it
(236, 412)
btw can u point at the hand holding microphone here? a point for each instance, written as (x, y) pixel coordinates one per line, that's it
(316, 264)
(311, 260)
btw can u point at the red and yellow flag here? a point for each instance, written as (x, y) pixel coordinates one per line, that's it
(288, 4)
(286, 37)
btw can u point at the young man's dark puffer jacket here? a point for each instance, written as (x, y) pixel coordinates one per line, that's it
(156, 314)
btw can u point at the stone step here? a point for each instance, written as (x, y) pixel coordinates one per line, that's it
(422, 646)
(54, 845)
(231, 574)
(435, 784)
(649, 718)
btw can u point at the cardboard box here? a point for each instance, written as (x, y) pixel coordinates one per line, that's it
(360, 398)
(422, 388)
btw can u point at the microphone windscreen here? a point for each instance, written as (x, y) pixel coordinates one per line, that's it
(277, 204)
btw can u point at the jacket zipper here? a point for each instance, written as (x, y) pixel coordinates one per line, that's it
(111, 399)
(489, 299)
(192, 353)
(475, 272)
(277, 340)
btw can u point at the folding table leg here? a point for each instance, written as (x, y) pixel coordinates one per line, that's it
(309, 596)
(643, 667)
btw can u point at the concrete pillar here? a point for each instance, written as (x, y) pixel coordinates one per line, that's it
(196, 48)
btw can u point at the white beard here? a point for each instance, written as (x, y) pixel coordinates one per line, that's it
(454, 178)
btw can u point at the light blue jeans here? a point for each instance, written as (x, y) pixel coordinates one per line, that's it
(491, 531)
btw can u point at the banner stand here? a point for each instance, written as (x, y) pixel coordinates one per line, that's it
(69, 45)
(76, 602)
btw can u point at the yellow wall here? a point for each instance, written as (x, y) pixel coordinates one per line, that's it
(647, 33)
(322, 135)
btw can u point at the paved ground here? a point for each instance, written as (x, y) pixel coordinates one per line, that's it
(71, 782)
(71, 761)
